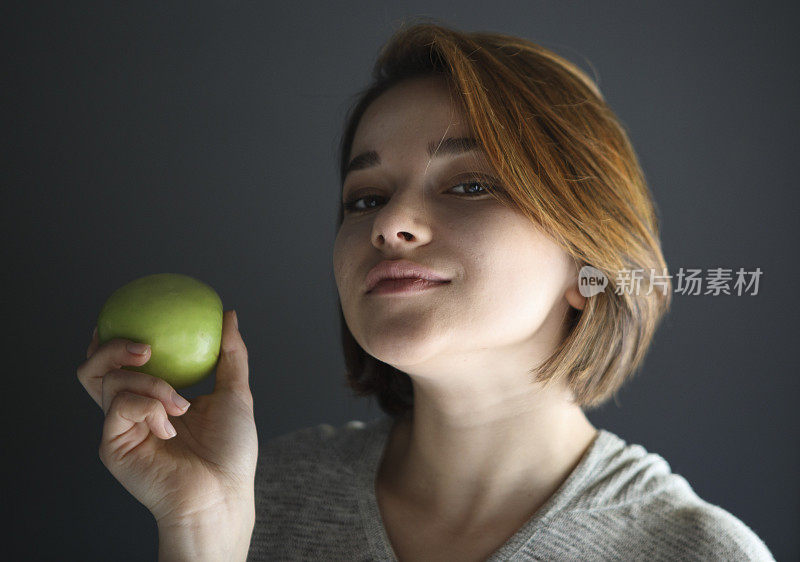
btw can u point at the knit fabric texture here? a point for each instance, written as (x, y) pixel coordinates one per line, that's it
(315, 500)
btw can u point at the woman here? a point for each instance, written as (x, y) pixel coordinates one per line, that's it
(486, 171)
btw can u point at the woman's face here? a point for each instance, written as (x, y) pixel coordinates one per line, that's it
(507, 298)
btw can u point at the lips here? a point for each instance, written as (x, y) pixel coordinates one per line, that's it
(401, 269)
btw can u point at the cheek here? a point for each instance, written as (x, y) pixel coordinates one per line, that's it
(339, 253)
(345, 257)
(513, 270)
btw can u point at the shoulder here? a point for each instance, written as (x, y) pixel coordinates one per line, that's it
(633, 496)
(310, 477)
(698, 530)
(320, 448)
(708, 532)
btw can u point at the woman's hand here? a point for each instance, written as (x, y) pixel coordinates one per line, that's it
(209, 466)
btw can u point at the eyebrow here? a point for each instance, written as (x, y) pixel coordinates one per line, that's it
(451, 146)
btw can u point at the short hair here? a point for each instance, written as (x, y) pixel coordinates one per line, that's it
(566, 162)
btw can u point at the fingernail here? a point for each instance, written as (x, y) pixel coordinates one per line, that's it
(170, 430)
(236, 320)
(180, 401)
(138, 348)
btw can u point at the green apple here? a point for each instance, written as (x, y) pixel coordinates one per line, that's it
(177, 315)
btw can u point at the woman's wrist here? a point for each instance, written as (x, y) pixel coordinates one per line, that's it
(223, 535)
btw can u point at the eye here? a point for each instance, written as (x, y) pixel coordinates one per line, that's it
(351, 205)
(470, 185)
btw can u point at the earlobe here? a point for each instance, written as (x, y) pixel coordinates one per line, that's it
(575, 298)
(573, 294)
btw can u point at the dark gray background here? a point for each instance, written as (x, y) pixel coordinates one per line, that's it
(153, 137)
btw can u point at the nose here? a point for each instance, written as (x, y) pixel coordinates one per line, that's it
(399, 226)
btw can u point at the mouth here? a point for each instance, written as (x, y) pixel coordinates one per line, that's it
(402, 274)
(406, 286)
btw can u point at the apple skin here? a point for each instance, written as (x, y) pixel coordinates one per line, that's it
(177, 315)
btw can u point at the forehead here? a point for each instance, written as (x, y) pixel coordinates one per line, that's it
(417, 108)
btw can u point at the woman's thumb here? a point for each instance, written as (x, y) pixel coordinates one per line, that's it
(233, 372)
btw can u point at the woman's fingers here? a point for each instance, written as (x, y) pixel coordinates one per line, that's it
(126, 410)
(233, 371)
(119, 380)
(111, 355)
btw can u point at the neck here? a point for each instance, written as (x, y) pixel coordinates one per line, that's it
(468, 467)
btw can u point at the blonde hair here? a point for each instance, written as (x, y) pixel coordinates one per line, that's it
(565, 161)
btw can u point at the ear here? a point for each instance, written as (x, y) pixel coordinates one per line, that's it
(573, 294)
(575, 298)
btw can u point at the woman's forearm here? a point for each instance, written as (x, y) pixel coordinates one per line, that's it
(218, 537)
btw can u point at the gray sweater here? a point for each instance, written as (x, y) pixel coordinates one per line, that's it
(315, 500)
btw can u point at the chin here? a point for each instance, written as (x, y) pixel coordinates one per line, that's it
(400, 348)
